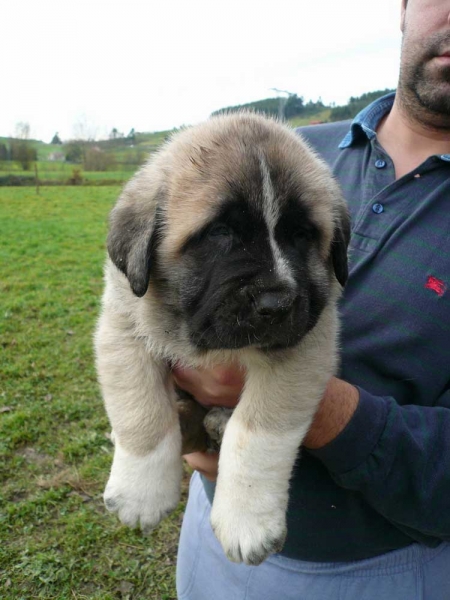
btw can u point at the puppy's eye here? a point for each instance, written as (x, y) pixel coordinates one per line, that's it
(220, 230)
(302, 236)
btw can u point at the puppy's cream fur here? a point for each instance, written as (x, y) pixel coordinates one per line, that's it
(140, 334)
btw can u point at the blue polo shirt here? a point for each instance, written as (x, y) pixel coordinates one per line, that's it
(384, 482)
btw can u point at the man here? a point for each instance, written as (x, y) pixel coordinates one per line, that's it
(369, 512)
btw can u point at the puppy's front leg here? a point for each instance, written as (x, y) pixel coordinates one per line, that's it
(260, 446)
(144, 484)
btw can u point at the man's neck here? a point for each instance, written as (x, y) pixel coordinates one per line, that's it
(408, 142)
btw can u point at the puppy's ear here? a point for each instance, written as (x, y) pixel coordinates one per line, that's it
(132, 241)
(339, 246)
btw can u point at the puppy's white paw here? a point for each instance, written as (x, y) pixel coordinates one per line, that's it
(142, 490)
(247, 535)
(249, 509)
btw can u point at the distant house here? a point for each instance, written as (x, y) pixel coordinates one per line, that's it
(56, 156)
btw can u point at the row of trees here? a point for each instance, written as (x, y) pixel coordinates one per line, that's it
(82, 150)
(355, 105)
(20, 151)
(283, 107)
(292, 105)
(91, 157)
(25, 154)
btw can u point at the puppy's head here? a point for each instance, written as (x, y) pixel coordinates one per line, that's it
(238, 229)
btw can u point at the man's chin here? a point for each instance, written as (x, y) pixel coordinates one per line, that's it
(433, 96)
(438, 104)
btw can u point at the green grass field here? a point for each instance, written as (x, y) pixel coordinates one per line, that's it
(56, 539)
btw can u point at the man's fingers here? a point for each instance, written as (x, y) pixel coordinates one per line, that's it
(205, 463)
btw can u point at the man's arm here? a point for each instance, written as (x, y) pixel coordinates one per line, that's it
(223, 386)
(397, 457)
(335, 411)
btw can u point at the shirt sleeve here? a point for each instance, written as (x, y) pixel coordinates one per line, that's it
(398, 458)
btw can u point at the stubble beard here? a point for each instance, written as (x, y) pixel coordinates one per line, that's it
(424, 87)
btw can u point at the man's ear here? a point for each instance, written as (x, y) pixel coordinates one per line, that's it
(132, 240)
(339, 246)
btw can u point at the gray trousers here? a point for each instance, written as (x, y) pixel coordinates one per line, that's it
(204, 573)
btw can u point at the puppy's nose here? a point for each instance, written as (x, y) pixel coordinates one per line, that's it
(270, 304)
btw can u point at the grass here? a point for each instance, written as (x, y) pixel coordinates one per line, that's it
(57, 540)
(322, 117)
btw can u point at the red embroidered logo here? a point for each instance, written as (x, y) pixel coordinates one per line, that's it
(435, 284)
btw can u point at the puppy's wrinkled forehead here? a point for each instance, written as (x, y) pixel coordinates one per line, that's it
(245, 159)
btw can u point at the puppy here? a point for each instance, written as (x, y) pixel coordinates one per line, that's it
(229, 245)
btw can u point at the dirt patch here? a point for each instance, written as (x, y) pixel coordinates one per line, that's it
(31, 455)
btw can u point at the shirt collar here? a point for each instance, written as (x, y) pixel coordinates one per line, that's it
(367, 120)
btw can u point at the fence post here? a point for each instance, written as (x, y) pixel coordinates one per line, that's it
(36, 177)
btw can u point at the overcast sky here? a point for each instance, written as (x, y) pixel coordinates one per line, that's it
(158, 64)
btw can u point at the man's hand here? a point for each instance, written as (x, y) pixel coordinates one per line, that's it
(222, 386)
(206, 463)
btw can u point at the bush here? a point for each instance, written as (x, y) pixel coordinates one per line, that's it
(76, 178)
(96, 159)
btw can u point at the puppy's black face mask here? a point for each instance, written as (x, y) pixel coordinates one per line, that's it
(244, 285)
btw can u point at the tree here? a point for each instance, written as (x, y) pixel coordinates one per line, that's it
(355, 105)
(294, 106)
(56, 139)
(20, 148)
(23, 153)
(22, 130)
(74, 151)
(115, 133)
(3, 152)
(85, 129)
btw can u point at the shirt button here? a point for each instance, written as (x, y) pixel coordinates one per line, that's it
(380, 164)
(378, 208)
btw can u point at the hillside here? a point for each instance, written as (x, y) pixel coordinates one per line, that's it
(114, 160)
(297, 112)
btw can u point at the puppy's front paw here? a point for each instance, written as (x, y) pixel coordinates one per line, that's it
(249, 509)
(247, 535)
(142, 490)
